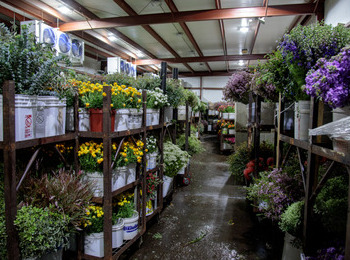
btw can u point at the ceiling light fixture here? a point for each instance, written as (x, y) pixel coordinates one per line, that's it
(241, 63)
(244, 51)
(112, 38)
(244, 29)
(64, 9)
(261, 20)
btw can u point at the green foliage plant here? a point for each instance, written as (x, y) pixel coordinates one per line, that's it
(40, 231)
(194, 145)
(125, 206)
(191, 98)
(331, 204)
(148, 82)
(64, 192)
(291, 219)
(175, 92)
(119, 78)
(238, 160)
(33, 66)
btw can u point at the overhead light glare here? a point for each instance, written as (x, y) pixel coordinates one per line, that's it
(112, 38)
(241, 63)
(244, 29)
(64, 9)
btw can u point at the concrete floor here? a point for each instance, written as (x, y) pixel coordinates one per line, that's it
(210, 210)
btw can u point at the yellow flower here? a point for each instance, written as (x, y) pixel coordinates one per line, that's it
(87, 104)
(104, 94)
(112, 105)
(126, 159)
(139, 101)
(124, 105)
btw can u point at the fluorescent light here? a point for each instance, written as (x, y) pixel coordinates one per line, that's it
(241, 63)
(244, 29)
(112, 38)
(64, 9)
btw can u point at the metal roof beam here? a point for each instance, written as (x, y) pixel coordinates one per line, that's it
(190, 16)
(202, 59)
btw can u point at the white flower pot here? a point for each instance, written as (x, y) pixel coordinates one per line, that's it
(121, 120)
(231, 131)
(53, 255)
(94, 244)
(119, 176)
(289, 251)
(84, 119)
(227, 146)
(225, 115)
(118, 234)
(135, 118)
(340, 112)
(97, 179)
(168, 114)
(131, 226)
(151, 162)
(155, 118)
(232, 116)
(131, 174)
(167, 181)
(181, 113)
(50, 119)
(152, 116)
(301, 120)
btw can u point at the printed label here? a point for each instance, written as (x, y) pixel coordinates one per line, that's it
(28, 122)
(130, 229)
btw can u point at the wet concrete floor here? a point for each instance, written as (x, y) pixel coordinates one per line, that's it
(209, 219)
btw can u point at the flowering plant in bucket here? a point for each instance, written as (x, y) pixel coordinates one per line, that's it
(231, 126)
(93, 220)
(330, 80)
(238, 87)
(262, 85)
(175, 92)
(130, 152)
(151, 144)
(174, 159)
(230, 140)
(91, 156)
(304, 45)
(152, 182)
(125, 206)
(156, 99)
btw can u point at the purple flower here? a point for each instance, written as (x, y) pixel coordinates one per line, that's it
(237, 87)
(330, 80)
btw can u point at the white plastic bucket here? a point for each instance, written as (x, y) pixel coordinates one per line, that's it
(232, 116)
(225, 115)
(94, 244)
(25, 111)
(97, 179)
(181, 113)
(131, 173)
(341, 146)
(182, 170)
(301, 120)
(119, 178)
(155, 116)
(289, 251)
(151, 162)
(130, 226)
(50, 119)
(267, 113)
(121, 120)
(118, 234)
(340, 112)
(166, 184)
(232, 131)
(168, 114)
(135, 118)
(84, 119)
(209, 128)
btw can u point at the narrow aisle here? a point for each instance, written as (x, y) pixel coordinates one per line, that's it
(211, 211)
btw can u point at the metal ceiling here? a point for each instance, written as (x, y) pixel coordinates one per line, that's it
(199, 37)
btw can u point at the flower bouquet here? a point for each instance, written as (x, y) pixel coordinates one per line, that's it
(152, 182)
(238, 87)
(330, 80)
(174, 159)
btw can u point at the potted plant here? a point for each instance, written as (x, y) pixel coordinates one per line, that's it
(192, 100)
(194, 145)
(175, 93)
(238, 160)
(224, 126)
(117, 231)
(63, 192)
(238, 87)
(91, 162)
(329, 81)
(120, 79)
(231, 129)
(151, 152)
(126, 211)
(34, 68)
(229, 142)
(155, 100)
(174, 159)
(131, 153)
(41, 231)
(93, 227)
(148, 81)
